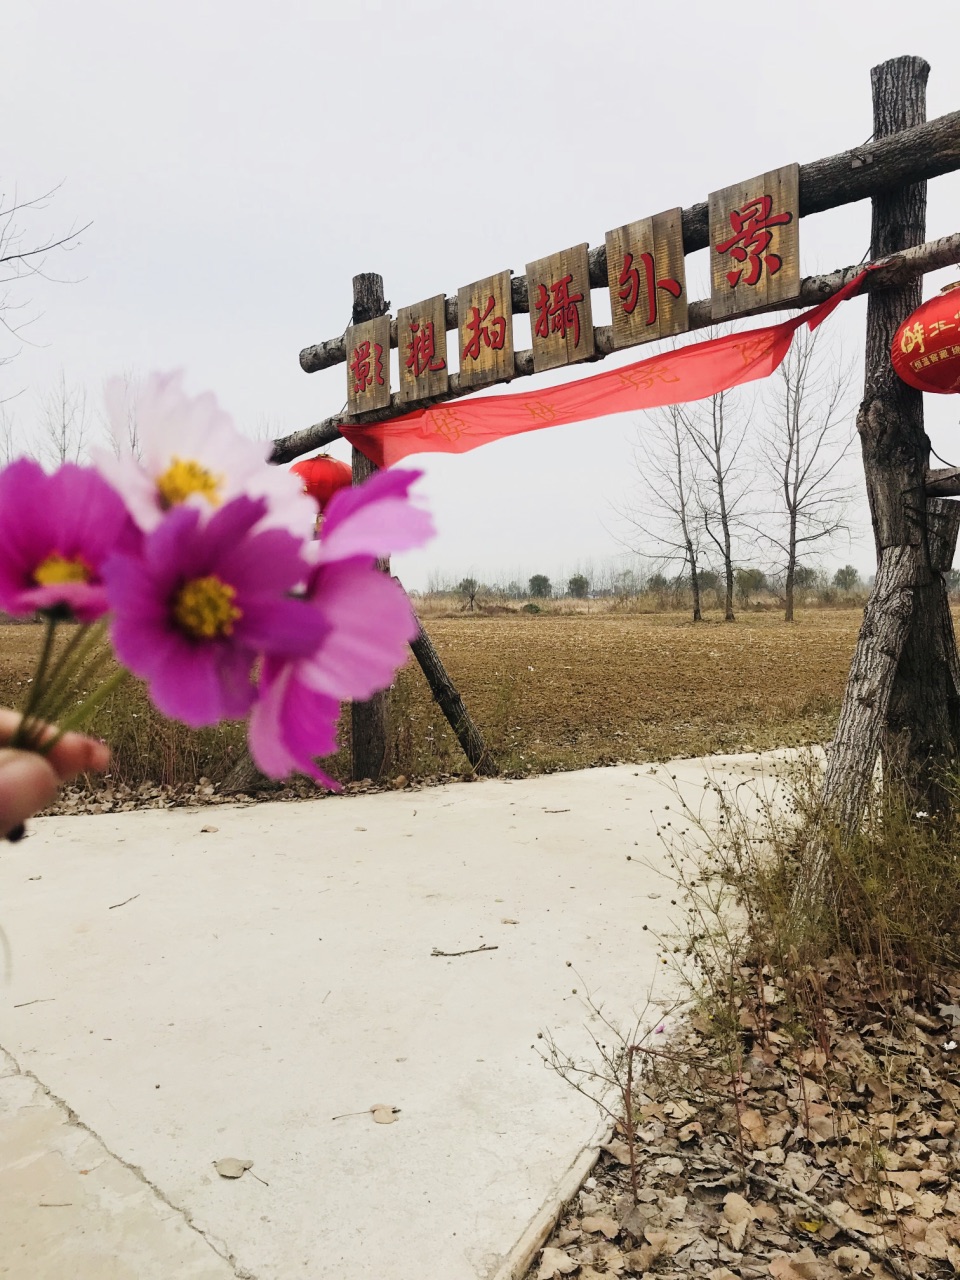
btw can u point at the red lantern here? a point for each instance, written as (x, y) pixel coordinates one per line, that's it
(322, 476)
(926, 350)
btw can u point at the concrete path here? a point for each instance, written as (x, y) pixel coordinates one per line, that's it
(178, 996)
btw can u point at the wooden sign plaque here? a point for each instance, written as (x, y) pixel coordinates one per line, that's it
(645, 273)
(486, 331)
(368, 365)
(755, 242)
(561, 318)
(422, 345)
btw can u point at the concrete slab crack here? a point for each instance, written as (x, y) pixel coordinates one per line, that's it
(218, 1246)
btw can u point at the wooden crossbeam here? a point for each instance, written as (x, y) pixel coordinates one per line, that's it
(926, 151)
(891, 271)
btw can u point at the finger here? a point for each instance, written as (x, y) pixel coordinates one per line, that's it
(9, 720)
(75, 752)
(27, 783)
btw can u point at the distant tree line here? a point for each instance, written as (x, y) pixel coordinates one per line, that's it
(752, 586)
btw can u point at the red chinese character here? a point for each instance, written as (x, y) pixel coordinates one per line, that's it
(629, 282)
(492, 335)
(360, 366)
(559, 313)
(751, 239)
(422, 352)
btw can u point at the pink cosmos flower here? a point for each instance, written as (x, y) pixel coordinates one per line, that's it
(368, 625)
(202, 601)
(192, 454)
(55, 534)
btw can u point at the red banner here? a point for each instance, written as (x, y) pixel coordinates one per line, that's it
(692, 373)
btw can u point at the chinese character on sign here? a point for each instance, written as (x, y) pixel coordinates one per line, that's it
(421, 350)
(490, 330)
(367, 370)
(750, 243)
(558, 300)
(629, 292)
(646, 279)
(485, 325)
(559, 313)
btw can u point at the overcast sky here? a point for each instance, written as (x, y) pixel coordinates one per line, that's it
(241, 162)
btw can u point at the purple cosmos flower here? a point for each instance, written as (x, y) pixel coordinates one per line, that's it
(190, 453)
(55, 533)
(202, 601)
(368, 625)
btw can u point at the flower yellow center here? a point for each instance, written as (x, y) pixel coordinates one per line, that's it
(184, 477)
(57, 569)
(204, 608)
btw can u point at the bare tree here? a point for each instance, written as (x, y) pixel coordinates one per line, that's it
(8, 436)
(468, 588)
(717, 433)
(123, 429)
(668, 465)
(802, 448)
(64, 423)
(24, 257)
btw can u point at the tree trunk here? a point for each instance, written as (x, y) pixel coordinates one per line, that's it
(694, 583)
(728, 614)
(368, 720)
(903, 695)
(791, 565)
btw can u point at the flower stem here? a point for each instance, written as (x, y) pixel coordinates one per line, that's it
(71, 665)
(37, 688)
(80, 715)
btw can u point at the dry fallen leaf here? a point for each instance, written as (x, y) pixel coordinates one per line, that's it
(619, 1150)
(384, 1114)
(230, 1167)
(738, 1214)
(849, 1259)
(554, 1262)
(668, 1243)
(755, 1127)
(796, 1266)
(690, 1131)
(601, 1222)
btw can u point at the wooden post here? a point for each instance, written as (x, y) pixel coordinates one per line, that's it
(903, 695)
(452, 705)
(368, 720)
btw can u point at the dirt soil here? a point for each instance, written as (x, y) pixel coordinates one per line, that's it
(574, 691)
(548, 692)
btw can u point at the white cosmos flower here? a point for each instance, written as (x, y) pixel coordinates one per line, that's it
(191, 452)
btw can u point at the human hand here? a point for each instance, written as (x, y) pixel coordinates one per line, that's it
(30, 781)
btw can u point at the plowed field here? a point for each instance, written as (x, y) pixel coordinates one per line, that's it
(569, 691)
(552, 691)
